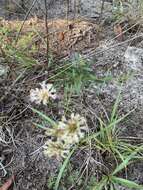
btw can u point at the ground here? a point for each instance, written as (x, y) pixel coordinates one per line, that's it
(21, 141)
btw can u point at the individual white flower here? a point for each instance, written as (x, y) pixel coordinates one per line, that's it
(56, 149)
(56, 133)
(75, 129)
(43, 94)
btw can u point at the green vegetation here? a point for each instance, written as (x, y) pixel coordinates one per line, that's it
(127, 10)
(68, 131)
(107, 141)
(17, 51)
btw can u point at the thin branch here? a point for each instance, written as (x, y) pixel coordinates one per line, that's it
(102, 8)
(47, 30)
(26, 16)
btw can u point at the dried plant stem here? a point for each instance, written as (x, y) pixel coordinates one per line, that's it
(47, 30)
(102, 8)
(26, 16)
(67, 9)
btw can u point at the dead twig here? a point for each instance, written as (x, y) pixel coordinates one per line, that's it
(26, 16)
(102, 8)
(47, 30)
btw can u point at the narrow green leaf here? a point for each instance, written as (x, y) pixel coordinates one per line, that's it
(115, 107)
(118, 153)
(126, 161)
(100, 144)
(40, 126)
(62, 169)
(48, 119)
(111, 187)
(107, 127)
(126, 183)
(115, 122)
(100, 185)
(102, 130)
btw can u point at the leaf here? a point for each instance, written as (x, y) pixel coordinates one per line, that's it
(126, 183)
(48, 119)
(116, 104)
(94, 135)
(40, 126)
(111, 187)
(61, 36)
(126, 161)
(7, 184)
(62, 169)
(101, 184)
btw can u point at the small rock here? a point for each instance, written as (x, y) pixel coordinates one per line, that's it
(134, 58)
(3, 72)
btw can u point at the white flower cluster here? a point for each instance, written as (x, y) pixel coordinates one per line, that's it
(44, 94)
(67, 132)
(62, 137)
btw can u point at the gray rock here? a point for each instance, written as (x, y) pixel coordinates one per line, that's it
(58, 8)
(3, 71)
(134, 58)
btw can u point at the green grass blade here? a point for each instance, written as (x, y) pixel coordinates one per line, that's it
(126, 183)
(123, 164)
(61, 72)
(112, 187)
(100, 185)
(46, 118)
(102, 136)
(100, 80)
(115, 107)
(119, 154)
(62, 169)
(126, 161)
(100, 145)
(108, 127)
(40, 126)
(115, 122)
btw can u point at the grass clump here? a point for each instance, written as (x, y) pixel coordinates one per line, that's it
(107, 141)
(111, 181)
(108, 138)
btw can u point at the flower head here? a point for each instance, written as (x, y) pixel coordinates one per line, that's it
(75, 129)
(43, 94)
(64, 135)
(57, 132)
(56, 149)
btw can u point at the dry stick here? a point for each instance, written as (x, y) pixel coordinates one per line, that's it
(67, 10)
(102, 7)
(47, 30)
(74, 6)
(26, 16)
